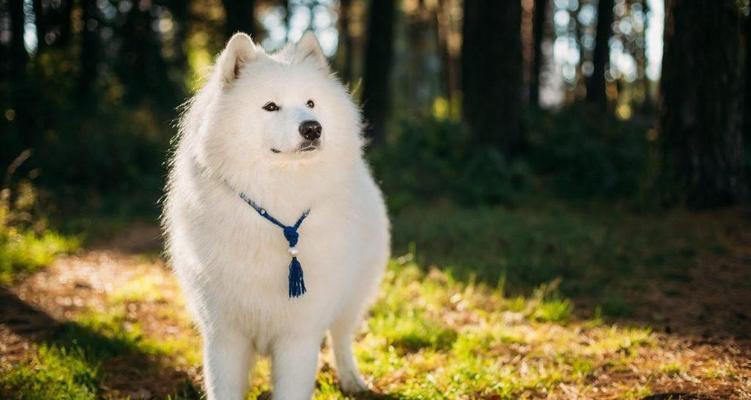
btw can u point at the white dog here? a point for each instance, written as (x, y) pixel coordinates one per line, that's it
(269, 153)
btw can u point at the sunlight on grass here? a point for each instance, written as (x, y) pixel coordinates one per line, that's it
(143, 288)
(672, 369)
(24, 252)
(25, 242)
(55, 373)
(437, 330)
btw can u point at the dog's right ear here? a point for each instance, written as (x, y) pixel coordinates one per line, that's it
(240, 50)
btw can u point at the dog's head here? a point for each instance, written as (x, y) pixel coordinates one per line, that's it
(277, 112)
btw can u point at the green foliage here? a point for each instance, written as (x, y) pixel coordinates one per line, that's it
(583, 154)
(68, 363)
(55, 373)
(615, 306)
(570, 153)
(413, 332)
(81, 141)
(436, 159)
(25, 242)
(23, 252)
(592, 249)
(548, 304)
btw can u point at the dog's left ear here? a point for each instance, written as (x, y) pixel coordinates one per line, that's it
(309, 50)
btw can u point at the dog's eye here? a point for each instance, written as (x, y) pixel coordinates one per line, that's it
(271, 106)
(310, 104)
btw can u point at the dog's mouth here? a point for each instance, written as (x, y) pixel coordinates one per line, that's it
(306, 146)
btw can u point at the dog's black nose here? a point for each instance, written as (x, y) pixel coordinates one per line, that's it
(310, 130)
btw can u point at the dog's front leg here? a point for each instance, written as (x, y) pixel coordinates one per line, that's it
(294, 364)
(227, 356)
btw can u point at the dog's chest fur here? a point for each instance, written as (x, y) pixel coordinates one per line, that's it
(232, 260)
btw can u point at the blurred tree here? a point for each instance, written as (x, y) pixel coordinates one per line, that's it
(641, 59)
(18, 55)
(89, 55)
(142, 67)
(346, 45)
(419, 38)
(443, 31)
(181, 15)
(52, 19)
(379, 50)
(492, 73)
(596, 90)
(747, 114)
(39, 23)
(240, 16)
(539, 21)
(579, 32)
(700, 116)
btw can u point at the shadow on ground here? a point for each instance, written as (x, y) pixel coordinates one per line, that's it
(126, 371)
(678, 272)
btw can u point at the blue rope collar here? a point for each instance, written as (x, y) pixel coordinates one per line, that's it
(296, 281)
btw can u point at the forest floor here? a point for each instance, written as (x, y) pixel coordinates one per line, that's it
(108, 321)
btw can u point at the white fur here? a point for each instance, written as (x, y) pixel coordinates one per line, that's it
(231, 263)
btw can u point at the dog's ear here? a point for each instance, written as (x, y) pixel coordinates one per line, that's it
(240, 50)
(309, 50)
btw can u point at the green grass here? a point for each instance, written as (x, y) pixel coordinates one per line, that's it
(68, 364)
(596, 251)
(482, 303)
(25, 242)
(55, 373)
(22, 252)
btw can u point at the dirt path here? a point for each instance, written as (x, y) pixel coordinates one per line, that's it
(713, 323)
(38, 309)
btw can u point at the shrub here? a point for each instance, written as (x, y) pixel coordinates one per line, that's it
(583, 154)
(570, 153)
(433, 159)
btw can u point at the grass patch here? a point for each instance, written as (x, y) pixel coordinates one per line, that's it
(143, 288)
(480, 306)
(672, 369)
(55, 373)
(22, 252)
(596, 252)
(25, 242)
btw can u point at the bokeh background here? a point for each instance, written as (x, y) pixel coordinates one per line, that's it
(568, 182)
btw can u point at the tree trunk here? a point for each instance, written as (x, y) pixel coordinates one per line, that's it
(449, 78)
(417, 85)
(747, 114)
(345, 46)
(89, 56)
(39, 24)
(240, 17)
(65, 22)
(142, 68)
(492, 73)
(596, 86)
(648, 102)
(53, 22)
(700, 116)
(180, 10)
(18, 55)
(539, 20)
(377, 74)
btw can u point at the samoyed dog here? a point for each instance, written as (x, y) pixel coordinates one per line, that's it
(275, 228)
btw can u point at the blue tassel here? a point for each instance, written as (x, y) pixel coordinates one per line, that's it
(296, 281)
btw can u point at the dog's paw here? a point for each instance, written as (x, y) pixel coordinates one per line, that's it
(352, 383)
